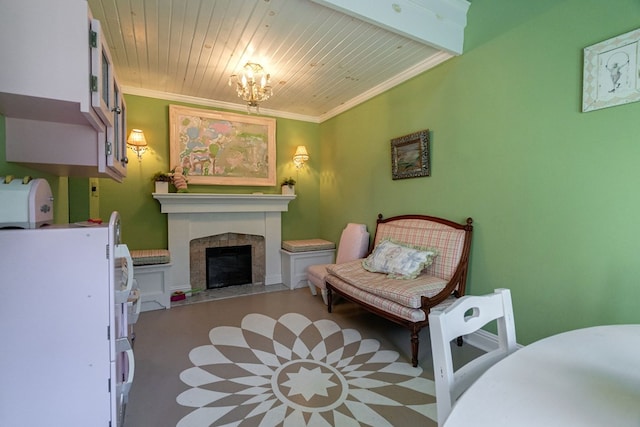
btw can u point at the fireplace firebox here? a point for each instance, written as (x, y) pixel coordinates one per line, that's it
(228, 266)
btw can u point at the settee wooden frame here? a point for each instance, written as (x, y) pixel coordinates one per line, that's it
(455, 286)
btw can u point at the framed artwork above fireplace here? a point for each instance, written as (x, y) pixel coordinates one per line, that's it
(219, 148)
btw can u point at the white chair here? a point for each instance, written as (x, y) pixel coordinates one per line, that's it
(354, 244)
(468, 314)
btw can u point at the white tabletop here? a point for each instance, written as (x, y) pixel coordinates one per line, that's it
(586, 377)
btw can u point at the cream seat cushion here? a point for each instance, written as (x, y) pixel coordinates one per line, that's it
(150, 256)
(307, 245)
(408, 292)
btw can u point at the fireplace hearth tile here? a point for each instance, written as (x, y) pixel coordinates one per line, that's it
(228, 292)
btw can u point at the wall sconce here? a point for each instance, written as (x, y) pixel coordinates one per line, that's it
(300, 156)
(137, 142)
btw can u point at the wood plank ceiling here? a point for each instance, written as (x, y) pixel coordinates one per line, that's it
(322, 61)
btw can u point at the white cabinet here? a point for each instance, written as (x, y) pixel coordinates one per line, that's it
(295, 264)
(63, 107)
(153, 283)
(66, 356)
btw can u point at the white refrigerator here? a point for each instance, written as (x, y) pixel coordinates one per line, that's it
(64, 349)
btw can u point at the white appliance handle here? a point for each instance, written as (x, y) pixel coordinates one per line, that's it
(137, 304)
(126, 386)
(124, 346)
(122, 251)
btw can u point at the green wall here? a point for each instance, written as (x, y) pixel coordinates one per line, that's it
(551, 189)
(144, 227)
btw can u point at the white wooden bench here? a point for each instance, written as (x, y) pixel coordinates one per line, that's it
(151, 275)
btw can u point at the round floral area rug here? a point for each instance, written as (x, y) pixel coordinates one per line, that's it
(293, 371)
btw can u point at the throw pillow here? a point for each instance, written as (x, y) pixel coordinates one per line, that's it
(399, 261)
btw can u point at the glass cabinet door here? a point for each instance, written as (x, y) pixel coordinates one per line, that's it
(118, 159)
(102, 98)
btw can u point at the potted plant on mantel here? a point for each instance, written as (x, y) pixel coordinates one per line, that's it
(288, 186)
(162, 180)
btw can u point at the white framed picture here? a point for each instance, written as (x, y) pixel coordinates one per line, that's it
(612, 72)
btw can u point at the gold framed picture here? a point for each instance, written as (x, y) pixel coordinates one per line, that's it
(410, 155)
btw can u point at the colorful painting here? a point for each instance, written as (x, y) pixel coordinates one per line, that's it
(410, 155)
(217, 148)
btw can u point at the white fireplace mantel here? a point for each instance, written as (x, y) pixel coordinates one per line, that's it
(195, 215)
(207, 202)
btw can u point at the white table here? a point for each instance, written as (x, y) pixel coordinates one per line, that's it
(586, 377)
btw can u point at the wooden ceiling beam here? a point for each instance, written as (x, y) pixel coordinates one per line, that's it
(436, 23)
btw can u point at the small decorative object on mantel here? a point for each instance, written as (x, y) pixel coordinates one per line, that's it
(288, 186)
(162, 180)
(410, 155)
(611, 73)
(179, 180)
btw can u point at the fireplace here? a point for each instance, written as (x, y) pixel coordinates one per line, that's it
(227, 248)
(193, 216)
(228, 266)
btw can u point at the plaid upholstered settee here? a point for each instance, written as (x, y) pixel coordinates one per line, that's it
(432, 271)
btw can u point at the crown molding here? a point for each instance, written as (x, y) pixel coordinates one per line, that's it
(409, 73)
(130, 90)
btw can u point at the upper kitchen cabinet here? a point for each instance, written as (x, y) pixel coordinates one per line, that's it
(63, 107)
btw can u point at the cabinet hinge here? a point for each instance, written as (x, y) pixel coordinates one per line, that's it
(93, 38)
(108, 333)
(109, 385)
(93, 83)
(107, 251)
(109, 148)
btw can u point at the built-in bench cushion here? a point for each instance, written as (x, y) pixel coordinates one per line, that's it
(407, 293)
(307, 245)
(150, 256)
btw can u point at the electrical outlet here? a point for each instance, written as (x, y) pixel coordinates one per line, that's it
(93, 187)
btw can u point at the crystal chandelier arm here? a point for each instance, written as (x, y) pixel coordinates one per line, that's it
(253, 86)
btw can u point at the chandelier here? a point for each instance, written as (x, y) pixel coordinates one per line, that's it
(253, 86)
